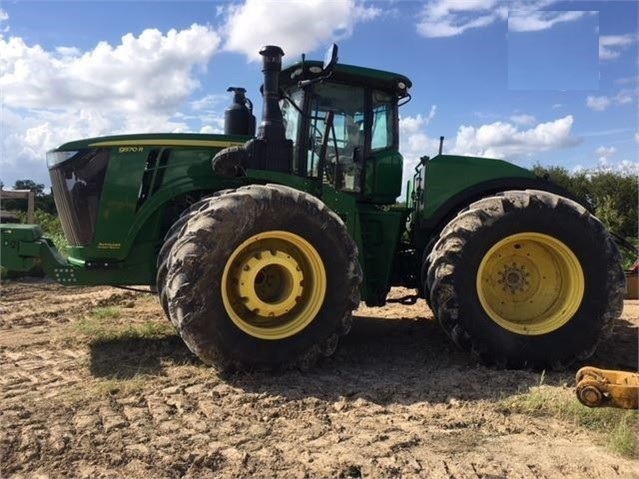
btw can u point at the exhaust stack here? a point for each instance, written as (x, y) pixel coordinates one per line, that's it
(269, 150)
(272, 126)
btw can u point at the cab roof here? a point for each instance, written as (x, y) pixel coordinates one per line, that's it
(380, 79)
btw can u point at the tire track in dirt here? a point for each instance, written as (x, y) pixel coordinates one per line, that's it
(217, 430)
(42, 303)
(39, 372)
(397, 400)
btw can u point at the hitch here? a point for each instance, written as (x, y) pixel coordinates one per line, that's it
(607, 388)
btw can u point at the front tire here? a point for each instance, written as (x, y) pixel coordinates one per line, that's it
(263, 277)
(526, 279)
(170, 238)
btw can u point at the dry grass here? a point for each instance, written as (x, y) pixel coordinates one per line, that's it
(619, 428)
(108, 324)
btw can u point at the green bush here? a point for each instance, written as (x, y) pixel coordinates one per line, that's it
(612, 196)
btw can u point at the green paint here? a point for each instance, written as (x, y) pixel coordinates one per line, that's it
(447, 175)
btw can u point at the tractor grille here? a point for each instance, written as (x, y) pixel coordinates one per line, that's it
(77, 186)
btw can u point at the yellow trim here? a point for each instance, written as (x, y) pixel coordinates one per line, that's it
(167, 142)
(273, 285)
(530, 283)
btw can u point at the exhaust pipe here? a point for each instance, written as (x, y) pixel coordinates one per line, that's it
(270, 150)
(272, 126)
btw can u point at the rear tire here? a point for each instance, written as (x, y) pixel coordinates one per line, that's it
(262, 277)
(526, 279)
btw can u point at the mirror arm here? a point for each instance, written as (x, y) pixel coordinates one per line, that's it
(312, 81)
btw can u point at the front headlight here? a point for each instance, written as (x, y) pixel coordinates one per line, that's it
(56, 157)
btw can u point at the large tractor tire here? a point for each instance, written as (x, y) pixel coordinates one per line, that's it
(170, 238)
(262, 277)
(526, 279)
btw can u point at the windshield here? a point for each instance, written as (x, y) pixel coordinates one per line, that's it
(77, 187)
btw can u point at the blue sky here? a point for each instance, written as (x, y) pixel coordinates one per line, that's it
(530, 81)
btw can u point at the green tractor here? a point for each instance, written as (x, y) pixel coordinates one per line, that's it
(261, 246)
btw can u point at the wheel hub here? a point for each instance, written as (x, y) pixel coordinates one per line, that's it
(273, 285)
(514, 278)
(269, 283)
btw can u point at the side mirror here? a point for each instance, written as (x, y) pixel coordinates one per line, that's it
(330, 59)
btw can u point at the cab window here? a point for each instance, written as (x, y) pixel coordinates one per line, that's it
(383, 131)
(292, 118)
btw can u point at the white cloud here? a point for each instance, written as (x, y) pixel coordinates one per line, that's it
(533, 21)
(209, 101)
(4, 16)
(631, 80)
(415, 142)
(625, 167)
(601, 103)
(625, 96)
(431, 114)
(412, 135)
(598, 103)
(637, 136)
(603, 153)
(68, 51)
(162, 78)
(610, 45)
(297, 26)
(501, 140)
(495, 140)
(447, 18)
(50, 97)
(524, 120)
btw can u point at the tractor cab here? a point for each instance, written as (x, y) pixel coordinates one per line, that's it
(343, 123)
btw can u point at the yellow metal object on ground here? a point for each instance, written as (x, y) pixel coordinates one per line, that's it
(273, 285)
(530, 283)
(602, 387)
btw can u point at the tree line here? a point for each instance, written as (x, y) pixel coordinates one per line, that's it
(612, 196)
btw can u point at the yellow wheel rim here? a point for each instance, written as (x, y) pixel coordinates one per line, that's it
(273, 285)
(530, 283)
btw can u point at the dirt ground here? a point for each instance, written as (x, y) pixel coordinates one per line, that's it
(398, 400)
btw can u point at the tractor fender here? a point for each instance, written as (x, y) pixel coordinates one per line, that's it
(449, 209)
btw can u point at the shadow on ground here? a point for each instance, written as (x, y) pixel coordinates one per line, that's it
(129, 358)
(381, 360)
